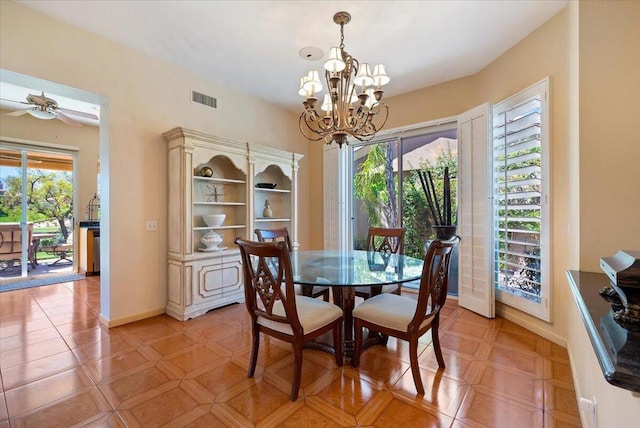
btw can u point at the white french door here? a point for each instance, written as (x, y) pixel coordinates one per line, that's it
(476, 290)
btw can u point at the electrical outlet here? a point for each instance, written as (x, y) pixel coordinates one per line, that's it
(590, 411)
(152, 225)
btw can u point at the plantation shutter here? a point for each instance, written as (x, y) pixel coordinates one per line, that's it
(476, 290)
(520, 203)
(331, 196)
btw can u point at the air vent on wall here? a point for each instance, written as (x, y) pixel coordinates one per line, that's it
(206, 100)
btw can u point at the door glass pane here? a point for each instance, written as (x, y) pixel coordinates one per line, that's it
(48, 185)
(375, 189)
(430, 152)
(11, 218)
(427, 153)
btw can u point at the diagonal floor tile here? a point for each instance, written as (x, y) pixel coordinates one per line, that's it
(401, 414)
(39, 369)
(86, 407)
(36, 394)
(490, 410)
(270, 399)
(442, 394)
(167, 407)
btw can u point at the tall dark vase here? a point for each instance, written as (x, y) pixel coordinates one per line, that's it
(444, 232)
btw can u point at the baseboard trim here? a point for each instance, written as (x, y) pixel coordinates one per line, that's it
(131, 318)
(523, 321)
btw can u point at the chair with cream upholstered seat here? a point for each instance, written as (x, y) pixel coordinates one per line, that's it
(407, 318)
(276, 310)
(282, 234)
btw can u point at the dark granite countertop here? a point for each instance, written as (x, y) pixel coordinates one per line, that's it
(616, 347)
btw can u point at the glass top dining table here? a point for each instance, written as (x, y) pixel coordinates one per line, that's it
(353, 268)
(345, 270)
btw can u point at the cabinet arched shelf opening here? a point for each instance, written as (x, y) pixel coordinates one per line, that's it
(219, 202)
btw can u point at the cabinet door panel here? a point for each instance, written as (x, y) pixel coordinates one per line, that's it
(217, 278)
(232, 276)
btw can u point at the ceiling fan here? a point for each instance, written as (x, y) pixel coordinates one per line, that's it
(47, 108)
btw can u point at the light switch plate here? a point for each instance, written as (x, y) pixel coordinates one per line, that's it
(152, 225)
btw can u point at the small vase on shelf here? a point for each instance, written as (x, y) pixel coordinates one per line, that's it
(266, 213)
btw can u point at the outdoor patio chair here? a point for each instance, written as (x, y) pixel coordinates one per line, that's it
(61, 250)
(11, 243)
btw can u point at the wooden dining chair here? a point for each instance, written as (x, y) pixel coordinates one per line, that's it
(383, 240)
(407, 318)
(282, 234)
(277, 311)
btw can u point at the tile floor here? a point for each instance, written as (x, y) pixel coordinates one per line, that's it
(59, 367)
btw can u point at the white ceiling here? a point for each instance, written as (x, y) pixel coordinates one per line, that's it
(253, 46)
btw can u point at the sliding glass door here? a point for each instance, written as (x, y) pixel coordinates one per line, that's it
(36, 211)
(387, 192)
(375, 189)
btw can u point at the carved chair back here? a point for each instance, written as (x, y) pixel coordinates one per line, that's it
(434, 282)
(274, 235)
(268, 282)
(386, 240)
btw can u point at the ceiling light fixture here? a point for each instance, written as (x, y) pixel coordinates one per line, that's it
(352, 106)
(41, 113)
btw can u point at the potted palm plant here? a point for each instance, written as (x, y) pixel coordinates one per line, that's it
(443, 223)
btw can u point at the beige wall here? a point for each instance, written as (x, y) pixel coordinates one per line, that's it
(609, 129)
(609, 184)
(146, 98)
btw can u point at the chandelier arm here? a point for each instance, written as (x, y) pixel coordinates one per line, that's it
(340, 109)
(349, 89)
(314, 132)
(335, 105)
(362, 116)
(375, 128)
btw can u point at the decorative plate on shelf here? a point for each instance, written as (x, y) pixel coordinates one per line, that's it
(266, 185)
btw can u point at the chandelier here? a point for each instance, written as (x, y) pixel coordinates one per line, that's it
(352, 106)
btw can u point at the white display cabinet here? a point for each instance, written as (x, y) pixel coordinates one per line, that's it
(211, 175)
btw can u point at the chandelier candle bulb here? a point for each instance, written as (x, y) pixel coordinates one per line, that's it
(334, 64)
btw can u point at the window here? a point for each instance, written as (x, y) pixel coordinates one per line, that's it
(520, 194)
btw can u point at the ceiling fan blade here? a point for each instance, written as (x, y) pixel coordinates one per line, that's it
(66, 119)
(78, 113)
(19, 112)
(14, 101)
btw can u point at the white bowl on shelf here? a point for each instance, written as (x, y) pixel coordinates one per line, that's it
(213, 220)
